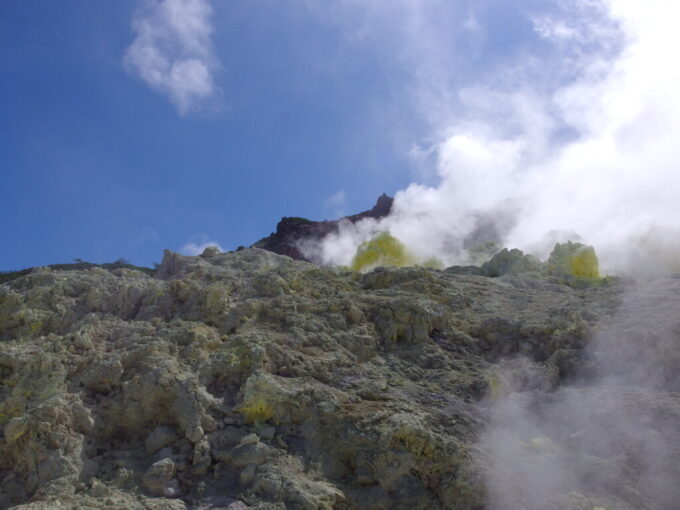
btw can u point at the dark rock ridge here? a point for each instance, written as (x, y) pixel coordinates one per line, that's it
(292, 231)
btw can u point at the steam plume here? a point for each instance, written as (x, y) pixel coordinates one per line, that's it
(607, 439)
(594, 156)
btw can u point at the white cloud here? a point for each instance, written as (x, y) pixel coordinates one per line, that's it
(552, 29)
(197, 247)
(336, 205)
(595, 154)
(172, 51)
(148, 235)
(471, 24)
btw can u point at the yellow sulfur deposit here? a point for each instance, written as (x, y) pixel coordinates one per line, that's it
(584, 263)
(574, 260)
(257, 411)
(494, 386)
(381, 250)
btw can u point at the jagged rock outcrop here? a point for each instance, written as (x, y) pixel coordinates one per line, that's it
(292, 232)
(508, 262)
(252, 380)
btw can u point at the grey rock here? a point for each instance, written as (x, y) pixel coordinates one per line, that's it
(158, 479)
(160, 438)
(267, 433)
(247, 475)
(250, 439)
(289, 385)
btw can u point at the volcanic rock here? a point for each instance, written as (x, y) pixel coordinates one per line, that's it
(292, 232)
(252, 380)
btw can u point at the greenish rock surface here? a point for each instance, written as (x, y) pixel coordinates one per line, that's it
(251, 380)
(510, 261)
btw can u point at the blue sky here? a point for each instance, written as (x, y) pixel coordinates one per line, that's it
(306, 101)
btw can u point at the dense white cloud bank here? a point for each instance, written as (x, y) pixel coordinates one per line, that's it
(172, 51)
(594, 156)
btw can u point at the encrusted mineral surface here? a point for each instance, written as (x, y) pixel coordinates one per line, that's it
(251, 380)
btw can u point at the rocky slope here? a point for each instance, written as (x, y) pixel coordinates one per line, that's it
(252, 380)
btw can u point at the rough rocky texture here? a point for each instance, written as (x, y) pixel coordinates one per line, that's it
(291, 233)
(509, 262)
(251, 380)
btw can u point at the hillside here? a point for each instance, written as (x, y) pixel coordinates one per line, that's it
(252, 380)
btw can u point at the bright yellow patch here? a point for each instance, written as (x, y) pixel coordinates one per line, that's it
(382, 250)
(415, 442)
(574, 261)
(257, 411)
(584, 263)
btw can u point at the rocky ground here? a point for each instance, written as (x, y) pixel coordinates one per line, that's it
(251, 380)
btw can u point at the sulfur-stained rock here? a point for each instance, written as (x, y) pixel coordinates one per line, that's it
(286, 385)
(210, 251)
(509, 262)
(575, 262)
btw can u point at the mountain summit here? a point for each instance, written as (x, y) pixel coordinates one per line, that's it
(291, 232)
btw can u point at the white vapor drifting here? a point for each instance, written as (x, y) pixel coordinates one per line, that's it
(336, 204)
(579, 145)
(610, 432)
(172, 51)
(594, 156)
(198, 247)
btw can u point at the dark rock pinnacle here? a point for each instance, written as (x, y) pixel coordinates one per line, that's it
(291, 232)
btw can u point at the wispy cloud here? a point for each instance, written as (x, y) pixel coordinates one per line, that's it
(196, 247)
(471, 23)
(336, 204)
(173, 53)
